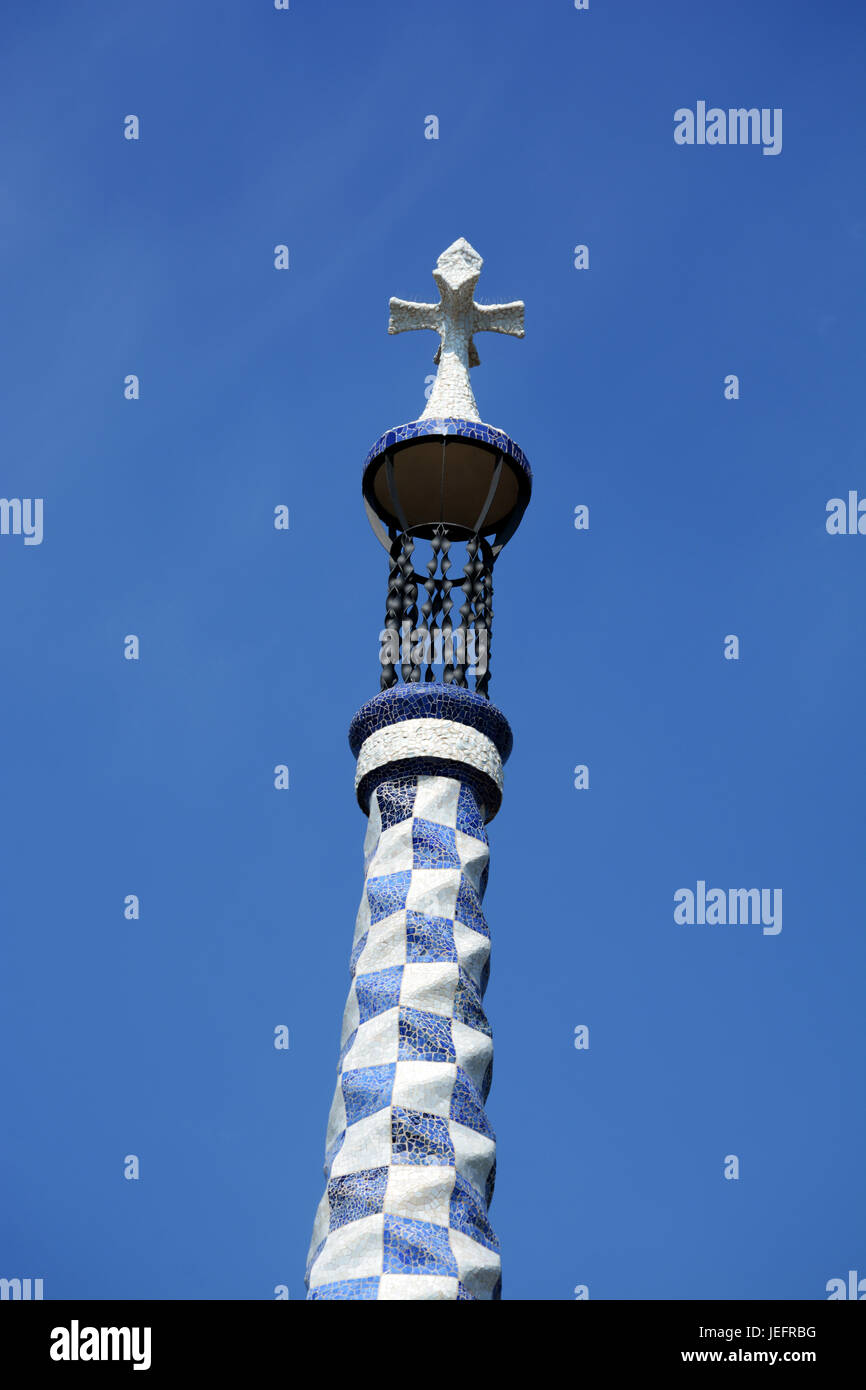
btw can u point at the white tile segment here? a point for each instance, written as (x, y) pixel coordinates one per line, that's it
(385, 945)
(411, 1287)
(375, 1042)
(393, 852)
(362, 921)
(367, 1145)
(336, 1118)
(474, 1154)
(434, 891)
(474, 855)
(354, 1251)
(374, 829)
(420, 1194)
(425, 1087)
(473, 950)
(430, 986)
(479, 1268)
(351, 1015)
(436, 799)
(474, 1050)
(321, 1223)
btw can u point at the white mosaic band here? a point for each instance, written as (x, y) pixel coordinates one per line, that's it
(429, 738)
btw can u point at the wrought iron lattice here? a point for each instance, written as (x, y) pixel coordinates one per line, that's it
(416, 640)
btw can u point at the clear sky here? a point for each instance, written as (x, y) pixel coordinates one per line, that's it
(262, 387)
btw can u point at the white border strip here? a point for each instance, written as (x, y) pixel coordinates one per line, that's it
(429, 738)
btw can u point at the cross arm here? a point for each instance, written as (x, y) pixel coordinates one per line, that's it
(499, 318)
(406, 315)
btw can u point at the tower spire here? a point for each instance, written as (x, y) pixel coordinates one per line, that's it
(410, 1154)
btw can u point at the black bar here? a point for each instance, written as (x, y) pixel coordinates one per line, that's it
(225, 1338)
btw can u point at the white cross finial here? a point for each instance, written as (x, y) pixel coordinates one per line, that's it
(456, 318)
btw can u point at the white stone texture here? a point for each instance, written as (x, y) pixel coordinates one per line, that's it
(456, 318)
(430, 738)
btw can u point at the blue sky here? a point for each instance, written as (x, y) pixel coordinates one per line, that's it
(259, 387)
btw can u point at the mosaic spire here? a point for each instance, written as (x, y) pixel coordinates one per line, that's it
(410, 1154)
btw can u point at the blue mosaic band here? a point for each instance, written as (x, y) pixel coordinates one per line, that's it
(410, 1155)
(461, 429)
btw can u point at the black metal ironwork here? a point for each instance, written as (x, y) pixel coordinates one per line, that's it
(420, 639)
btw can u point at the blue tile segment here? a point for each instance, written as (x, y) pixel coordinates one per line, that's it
(429, 700)
(410, 1154)
(462, 429)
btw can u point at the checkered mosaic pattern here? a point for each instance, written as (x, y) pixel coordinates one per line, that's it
(410, 1156)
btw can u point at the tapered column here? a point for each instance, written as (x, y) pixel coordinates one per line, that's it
(410, 1154)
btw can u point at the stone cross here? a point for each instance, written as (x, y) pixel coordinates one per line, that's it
(456, 318)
